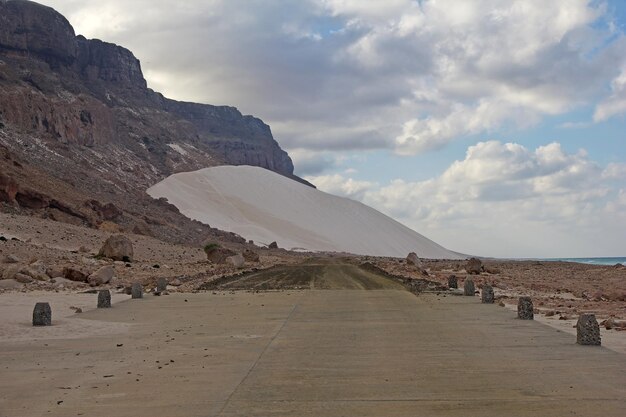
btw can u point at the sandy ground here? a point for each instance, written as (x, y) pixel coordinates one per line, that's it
(310, 353)
(16, 311)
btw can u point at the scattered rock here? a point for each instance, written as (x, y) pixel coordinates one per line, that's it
(412, 259)
(10, 284)
(74, 274)
(104, 299)
(102, 276)
(217, 254)
(525, 308)
(42, 315)
(136, 290)
(238, 261)
(176, 282)
(588, 330)
(452, 282)
(468, 287)
(250, 255)
(118, 248)
(11, 259)
(487, 296)
(474, 266)
(273, 245)
(23, 278)
(55, 272)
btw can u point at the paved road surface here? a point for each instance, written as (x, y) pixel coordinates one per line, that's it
(359, 353)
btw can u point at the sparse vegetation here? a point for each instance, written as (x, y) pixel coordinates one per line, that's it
(210, 247)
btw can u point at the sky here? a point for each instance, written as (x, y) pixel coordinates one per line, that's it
(494, 127)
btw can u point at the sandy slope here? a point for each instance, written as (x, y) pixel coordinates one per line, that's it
(263, 206)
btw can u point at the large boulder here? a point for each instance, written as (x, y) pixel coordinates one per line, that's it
(413, 259)
(74, 274)
(237, 260)
(250, 255)
(474, 266)
(102, 276)
(118, 248)
(217, 254)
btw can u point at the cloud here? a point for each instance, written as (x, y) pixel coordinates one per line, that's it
(345, 74)
(504, 199)
(615, 104)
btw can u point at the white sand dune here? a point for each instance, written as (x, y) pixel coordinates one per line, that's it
(264, 206)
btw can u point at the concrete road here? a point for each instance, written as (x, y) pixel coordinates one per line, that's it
(312, 353)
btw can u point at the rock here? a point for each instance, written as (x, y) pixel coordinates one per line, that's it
(468, 287)
(474, 266)
(161, 285)
(102, 276)
(250, 255)
(525, 308)
(412, 259)
(23, 278)
(588, 330)
(42, 315)
(37, 270)
(550, 313)
(84, 249)
(11, 259)
(9, 273)
(118, 248)
(176, 282)
(74, 274)
(273, 245)
(217, 254)
(136, 290)
(237, 260)
(104, 299)
(55, 272)
(10, 284)
(452, 282)
(487, 296)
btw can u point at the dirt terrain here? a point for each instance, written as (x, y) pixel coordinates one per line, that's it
(317, 273)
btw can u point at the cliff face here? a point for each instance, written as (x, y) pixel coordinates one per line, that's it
(79, 123)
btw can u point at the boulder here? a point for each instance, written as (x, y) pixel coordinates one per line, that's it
(118, 248)
(468, 287)
(176, 282)
(10, 271)
(412, 259)
(10, 284)
(273, 245)
(217, 254)
(102, 276)
(23, 278)
(55, 272)
(11, 259)
(250, 255)
(36, 270)
(588, 330)
(42, 315)
(74, 274)
(474, 266)
(237, 260)
(525, 308)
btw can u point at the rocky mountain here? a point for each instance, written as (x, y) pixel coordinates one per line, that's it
(82, 136)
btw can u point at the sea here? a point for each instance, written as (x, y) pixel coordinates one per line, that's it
(591, 261)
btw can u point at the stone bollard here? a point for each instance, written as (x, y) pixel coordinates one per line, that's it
(136, 291)
(161, 285)
(452, 282)
(104, 299)
(588, 330)
(42, 315)
(486, 295)
(468, 287)
(525, 308)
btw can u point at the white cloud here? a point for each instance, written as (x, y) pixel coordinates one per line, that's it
(615, 104)
(504, 199)
(348, 74)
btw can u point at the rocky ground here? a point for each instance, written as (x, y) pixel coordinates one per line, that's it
(560, 290)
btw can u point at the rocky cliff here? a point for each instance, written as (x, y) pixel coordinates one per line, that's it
(78, 124)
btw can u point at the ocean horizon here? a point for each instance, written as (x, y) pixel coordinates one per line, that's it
(590, 261)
